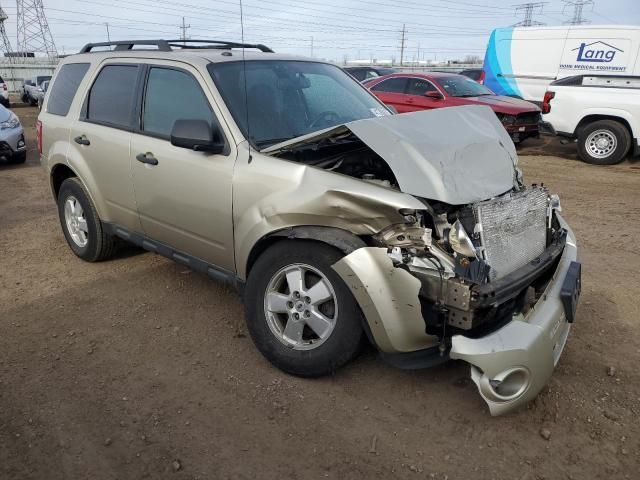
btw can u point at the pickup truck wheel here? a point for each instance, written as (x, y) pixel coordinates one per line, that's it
(604, 142)
(299, 312)
(81, 225)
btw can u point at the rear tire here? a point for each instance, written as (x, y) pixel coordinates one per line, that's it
(293, 344)
(81, 224)
(604, 142)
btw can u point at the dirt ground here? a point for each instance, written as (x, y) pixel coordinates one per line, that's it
(138, 368)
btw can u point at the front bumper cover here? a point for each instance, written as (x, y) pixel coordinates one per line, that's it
(510, 365)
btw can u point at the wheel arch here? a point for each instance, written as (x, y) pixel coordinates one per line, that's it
(59, 173)
(594, 117)
(343, 240)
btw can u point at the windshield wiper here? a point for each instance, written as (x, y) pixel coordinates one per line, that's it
(272, 141)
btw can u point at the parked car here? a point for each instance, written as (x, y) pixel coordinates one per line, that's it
(41, 92)
(521, 62)
(410, 92)
(476, 74)
(600, 112)
(363, 74)
(12, 145)
(30, 88)
(339, 221)
(4, 94)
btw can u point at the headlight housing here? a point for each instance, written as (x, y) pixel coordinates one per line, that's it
(11, 122)
(508, 119)
(460, 242)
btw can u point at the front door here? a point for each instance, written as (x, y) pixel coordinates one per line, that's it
(417, 90)
(184, 200)
(392, 92)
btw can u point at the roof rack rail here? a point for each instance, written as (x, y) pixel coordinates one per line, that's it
(169, 45)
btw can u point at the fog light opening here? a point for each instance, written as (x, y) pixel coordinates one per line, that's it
(511, 383)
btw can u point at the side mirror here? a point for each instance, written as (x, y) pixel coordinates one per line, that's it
(434, 94)
(197, 135)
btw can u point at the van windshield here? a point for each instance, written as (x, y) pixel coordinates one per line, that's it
(287, 99)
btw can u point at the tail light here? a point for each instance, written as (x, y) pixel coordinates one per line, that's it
(546, 105)
(481, 78)
(39, 136)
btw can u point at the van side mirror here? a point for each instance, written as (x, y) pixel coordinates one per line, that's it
(197, 135)
(434, 94)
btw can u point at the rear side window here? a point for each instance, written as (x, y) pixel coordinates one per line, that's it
(65, 87)
(112, 96)
(392, 85)
(172, 95)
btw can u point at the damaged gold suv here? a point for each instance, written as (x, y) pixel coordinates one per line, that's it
(338, 221)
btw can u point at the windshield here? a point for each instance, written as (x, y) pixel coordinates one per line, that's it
(460, 86)
(39, 80)
(288, 99)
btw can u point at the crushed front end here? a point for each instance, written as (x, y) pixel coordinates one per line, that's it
(494, 283)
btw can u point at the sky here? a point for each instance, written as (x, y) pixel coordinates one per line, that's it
(331, 29)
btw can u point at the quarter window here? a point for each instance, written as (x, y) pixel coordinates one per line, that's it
(392, 85)
(172, 95)
(65, 87)
(112, 95)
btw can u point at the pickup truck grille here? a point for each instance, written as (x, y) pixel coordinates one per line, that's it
(512, 229)
(528, 118)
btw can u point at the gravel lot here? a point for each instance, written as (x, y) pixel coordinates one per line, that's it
(139, 368)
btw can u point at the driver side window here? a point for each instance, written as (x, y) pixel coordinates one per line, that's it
(392, 85)
(419, 86)
(172, 95)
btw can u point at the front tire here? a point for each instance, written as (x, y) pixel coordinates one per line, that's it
(81, 224)
(300, 314)
(604, 142)
(18, 157)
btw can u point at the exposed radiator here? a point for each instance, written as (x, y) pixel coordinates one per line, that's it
(512, 229)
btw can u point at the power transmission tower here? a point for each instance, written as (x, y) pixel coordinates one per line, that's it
(184, 28)
(33, 32)
(403, 39)
(577, 5)
(529, 9)
(6, 46)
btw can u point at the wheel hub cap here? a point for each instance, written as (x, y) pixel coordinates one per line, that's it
(601, 143)
(76, 221)
(300, 306)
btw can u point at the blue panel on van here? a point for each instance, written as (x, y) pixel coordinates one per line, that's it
(497, 63)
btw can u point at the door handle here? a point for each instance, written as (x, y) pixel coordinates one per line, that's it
(82, 140)
(409, 100)
(147, 158)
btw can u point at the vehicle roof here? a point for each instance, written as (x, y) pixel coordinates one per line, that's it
(213, 55)
(425, 75)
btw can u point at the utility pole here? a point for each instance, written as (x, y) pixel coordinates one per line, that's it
(6, 48)
(106, 24)
(529, 9)
(184, 28)
(32, 29)
(403, 39)
(577, 5)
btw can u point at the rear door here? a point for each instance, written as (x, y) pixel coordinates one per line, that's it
(184, 201)
(100, 141)
(392, 91)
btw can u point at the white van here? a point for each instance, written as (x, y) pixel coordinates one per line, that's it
(522, 61)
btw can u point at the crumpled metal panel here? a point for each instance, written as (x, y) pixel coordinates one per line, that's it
(513, 229)
(457, 155)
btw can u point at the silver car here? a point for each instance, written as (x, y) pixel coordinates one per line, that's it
(12, 144)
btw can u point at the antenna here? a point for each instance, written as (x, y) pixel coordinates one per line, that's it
(577, 5)
(529, 9)
(246, 94)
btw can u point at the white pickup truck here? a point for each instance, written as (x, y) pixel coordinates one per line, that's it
(601, 112)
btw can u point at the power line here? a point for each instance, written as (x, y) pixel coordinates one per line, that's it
(577, 5)
(529, 9)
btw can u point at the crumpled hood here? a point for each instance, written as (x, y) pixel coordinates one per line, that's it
(500, 103)
(456, 155)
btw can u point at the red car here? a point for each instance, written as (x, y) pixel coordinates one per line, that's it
(409, 92)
